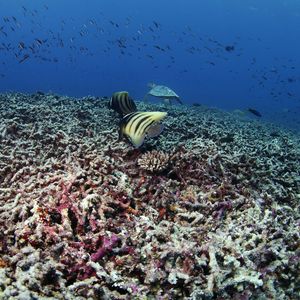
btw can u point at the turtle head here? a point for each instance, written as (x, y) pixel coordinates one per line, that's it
(151, 85)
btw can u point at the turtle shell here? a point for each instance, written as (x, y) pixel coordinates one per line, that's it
(162, 92)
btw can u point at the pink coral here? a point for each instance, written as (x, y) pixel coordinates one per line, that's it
(107, 245)
(81, 219)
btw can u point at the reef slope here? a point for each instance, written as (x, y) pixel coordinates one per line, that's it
(208, 210)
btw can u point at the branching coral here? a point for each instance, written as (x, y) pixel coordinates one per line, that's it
(154, 161)
(205, 215)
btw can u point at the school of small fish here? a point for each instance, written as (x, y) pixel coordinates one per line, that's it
(26, 38)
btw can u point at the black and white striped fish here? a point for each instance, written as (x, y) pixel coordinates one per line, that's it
(122, 103)
(137, 125)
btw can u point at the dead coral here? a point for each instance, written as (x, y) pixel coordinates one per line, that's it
(81, 219)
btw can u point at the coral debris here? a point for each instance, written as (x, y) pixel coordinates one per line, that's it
(211, 213)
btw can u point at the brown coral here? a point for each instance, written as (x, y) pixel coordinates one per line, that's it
(154, 161)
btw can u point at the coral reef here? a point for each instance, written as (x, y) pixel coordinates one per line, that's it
(208, 210)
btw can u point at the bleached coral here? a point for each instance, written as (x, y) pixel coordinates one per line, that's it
(218, 216)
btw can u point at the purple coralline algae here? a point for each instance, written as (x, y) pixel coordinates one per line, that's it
(207, 210)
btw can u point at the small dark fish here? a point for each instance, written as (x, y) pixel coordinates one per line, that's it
(3, 32)
(121, 43)
(159, 48)
(156, 24)
(26, 56)
(208, 49)
(114, 24)
(255, 112)
(39, 42)
(32, 49)
(211, 63)
(122, 103)
(21, 45)
(229, 48)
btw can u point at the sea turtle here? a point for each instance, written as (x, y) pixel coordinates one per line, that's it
(163, 92)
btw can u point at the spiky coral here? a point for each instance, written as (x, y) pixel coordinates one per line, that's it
(154, 161)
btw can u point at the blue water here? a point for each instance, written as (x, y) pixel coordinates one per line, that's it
(97, 47)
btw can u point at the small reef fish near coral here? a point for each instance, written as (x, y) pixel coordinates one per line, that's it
(121, 103)
(190, 214)
(254, 112)
(135, 125)
(139, 124)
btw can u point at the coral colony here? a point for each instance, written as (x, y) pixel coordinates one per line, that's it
(209, 209)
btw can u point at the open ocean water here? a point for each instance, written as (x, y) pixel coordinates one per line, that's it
(149, 149)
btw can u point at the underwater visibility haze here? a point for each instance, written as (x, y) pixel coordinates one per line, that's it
(149, 149)
(225, 54)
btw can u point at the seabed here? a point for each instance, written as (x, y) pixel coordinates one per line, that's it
(208, 210)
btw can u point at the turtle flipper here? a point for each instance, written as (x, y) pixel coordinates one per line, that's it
(145, 99)
(178, 100)
(167, 101)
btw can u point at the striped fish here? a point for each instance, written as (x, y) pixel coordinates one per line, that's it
(137, 125)
(122, 103)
